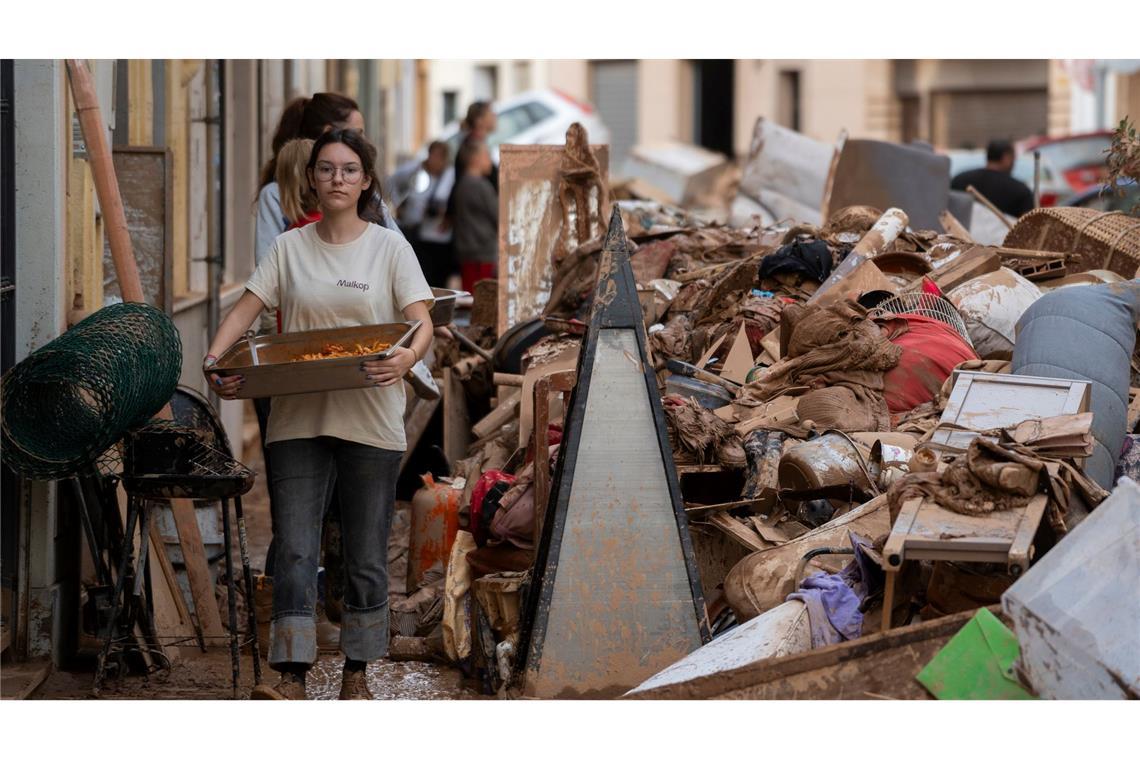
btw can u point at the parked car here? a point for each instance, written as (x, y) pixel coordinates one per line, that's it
(1053, 187)
(1080, 159)
(1104, 198)
(537, 117)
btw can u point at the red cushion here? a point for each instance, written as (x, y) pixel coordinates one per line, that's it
(930, 351)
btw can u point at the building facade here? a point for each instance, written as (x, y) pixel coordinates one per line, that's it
(205, 127)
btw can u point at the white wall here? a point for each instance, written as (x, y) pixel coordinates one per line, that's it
(41, 137)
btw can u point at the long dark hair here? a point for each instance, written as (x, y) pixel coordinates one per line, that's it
(366, 152)
(306, 118)
(474, 112)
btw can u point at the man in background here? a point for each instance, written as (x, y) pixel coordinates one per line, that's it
(422, 211)
(995, 181)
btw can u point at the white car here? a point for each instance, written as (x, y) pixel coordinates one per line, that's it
(537, 117)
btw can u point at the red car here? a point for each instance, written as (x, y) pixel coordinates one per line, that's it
(1080, 159)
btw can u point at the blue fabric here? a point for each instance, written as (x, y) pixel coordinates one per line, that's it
(304, 473)
(833, 609)
(833, 600)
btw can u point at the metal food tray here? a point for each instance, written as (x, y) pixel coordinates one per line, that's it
(268, 366)
(443, 309)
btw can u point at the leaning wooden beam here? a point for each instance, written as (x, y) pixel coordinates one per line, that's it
(499, 416)
(106, 186)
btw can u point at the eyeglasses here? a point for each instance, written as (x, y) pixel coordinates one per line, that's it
(350, 174)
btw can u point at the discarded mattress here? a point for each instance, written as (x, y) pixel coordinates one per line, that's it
(990, 305)
(1059, 334)
(781, 631)
(763, 579)
(1076, 612)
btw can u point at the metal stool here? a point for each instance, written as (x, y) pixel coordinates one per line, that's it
(164, 461)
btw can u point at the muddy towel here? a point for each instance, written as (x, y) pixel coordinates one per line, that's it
(993, 477)
(700, 433)
(835, 346)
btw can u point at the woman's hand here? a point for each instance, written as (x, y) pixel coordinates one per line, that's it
(225, 386)
(391, 370)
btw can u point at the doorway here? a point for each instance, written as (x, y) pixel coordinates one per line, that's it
(714, 96)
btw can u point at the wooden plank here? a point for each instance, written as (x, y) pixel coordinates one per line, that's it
(530, 221)
(456, 425)
(746, 537)
(882, 664)
(176, 140)
(171, 614)
(140, 126)
(969, 264)
(952, 226)
(499, 416)
(198, 572)
(508, 380)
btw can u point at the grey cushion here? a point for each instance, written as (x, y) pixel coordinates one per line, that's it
(1086, 333)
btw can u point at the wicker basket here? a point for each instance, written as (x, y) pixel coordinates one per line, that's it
(1092, 239)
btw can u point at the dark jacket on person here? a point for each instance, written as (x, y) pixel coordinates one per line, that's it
(476, 219)
(1005, 192)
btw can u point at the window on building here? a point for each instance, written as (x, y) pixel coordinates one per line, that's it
(522, 76)
(789, 100)
(450, 106)
(486, 83)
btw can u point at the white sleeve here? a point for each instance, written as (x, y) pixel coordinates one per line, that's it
(409, 284)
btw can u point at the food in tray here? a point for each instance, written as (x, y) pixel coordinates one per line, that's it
(337, 351)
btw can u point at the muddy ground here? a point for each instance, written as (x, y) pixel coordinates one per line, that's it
(198, 675)
(207, 676)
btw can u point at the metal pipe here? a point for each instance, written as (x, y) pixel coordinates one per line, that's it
(1036, 179)
(213, 199)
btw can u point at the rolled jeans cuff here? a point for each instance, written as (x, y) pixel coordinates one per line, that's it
(364, 633)
(293, 638)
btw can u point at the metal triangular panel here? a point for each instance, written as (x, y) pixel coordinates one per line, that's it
(615, 596)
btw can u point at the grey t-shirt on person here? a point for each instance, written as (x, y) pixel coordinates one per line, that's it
(476, 220)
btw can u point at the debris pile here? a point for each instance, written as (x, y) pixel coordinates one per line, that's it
(874, 425)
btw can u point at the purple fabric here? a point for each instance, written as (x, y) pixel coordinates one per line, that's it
(833, 599)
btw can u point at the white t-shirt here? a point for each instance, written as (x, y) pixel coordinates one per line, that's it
(317, 285)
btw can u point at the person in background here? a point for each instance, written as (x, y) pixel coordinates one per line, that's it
(479, 124)
(476, 214)
(995, 181)
(298, 199)
(421, 215)
(341, 271)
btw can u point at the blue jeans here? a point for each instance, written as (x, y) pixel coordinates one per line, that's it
(304, 473)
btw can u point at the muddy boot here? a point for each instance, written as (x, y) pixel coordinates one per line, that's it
(289, 686)
(354, 685)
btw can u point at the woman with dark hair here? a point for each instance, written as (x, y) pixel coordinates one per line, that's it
(341, 271)
(302, 118)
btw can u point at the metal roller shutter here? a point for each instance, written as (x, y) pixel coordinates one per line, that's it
(614, 93)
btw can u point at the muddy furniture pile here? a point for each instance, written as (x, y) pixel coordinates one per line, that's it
(879, 432)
